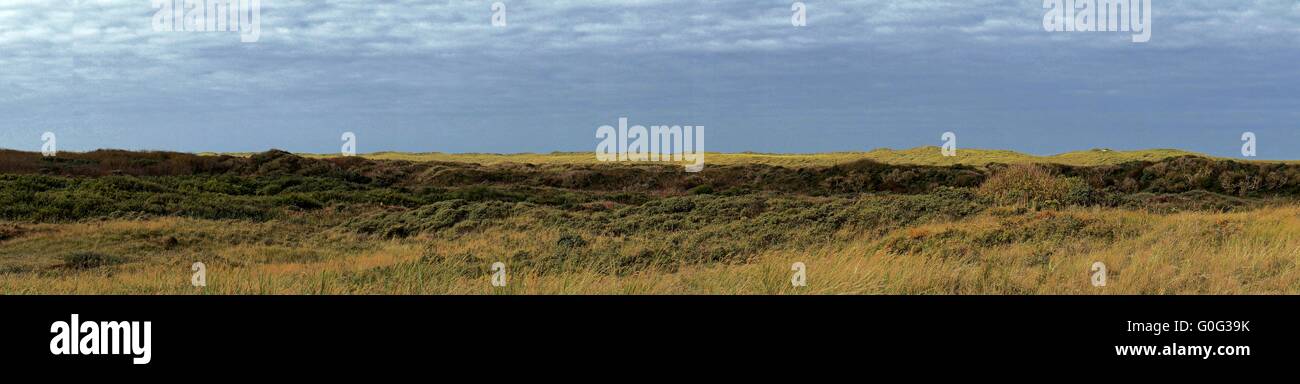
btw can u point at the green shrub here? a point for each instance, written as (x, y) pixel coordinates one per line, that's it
(701, 190)
(571, 241)
(89, 260)
(436, 216)
(298, 200)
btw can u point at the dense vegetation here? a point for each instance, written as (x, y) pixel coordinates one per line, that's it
(264, 185)
(108, 212)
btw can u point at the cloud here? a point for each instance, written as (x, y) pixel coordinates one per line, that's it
(99, 66)
(42, 38)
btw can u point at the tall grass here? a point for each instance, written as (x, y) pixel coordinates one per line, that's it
(914, 156)
(1047, 252)
(1034, 186)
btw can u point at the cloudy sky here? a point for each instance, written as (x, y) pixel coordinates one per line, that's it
(409, 75)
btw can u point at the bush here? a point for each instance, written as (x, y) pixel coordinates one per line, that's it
(1034, 186)
(298, 200)
(701, 190)
(10, 231)
(571, 241)
(88, 260)
(435, 217)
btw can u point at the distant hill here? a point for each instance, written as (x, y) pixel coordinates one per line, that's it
(916, 156)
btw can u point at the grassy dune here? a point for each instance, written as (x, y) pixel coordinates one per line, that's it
(1186, 253)
(277, 223)
(914, 156)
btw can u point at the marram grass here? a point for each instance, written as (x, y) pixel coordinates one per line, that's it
(1252, 252)
(917, 156)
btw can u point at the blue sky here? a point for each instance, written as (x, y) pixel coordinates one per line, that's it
(437, 76)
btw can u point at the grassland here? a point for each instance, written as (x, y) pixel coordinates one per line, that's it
(913, 156)
(881, 222)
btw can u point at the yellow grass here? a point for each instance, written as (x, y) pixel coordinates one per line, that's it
(921, 155)
(1185, 253)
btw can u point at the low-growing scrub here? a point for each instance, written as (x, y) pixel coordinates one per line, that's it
(89, 260)
(280, 223)
(10, 231)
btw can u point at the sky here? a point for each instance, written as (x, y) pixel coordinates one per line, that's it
(438, 76)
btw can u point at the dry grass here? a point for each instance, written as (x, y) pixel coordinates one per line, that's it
(113, 222)
(1033, 186)
(996, 252)
(929, 155)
